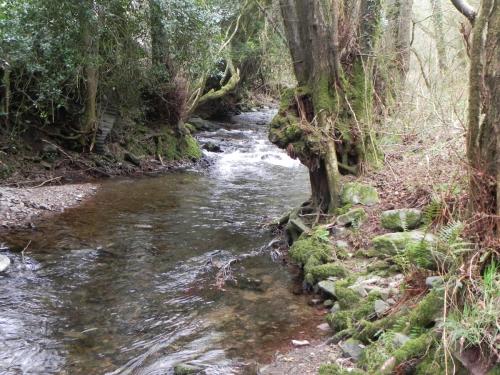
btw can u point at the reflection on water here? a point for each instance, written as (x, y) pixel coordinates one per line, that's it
(123, 284)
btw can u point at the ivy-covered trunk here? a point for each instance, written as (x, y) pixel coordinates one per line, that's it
(326, 120)
(483, 139)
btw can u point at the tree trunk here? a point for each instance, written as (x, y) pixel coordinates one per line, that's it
(399, 16)
(483, 139)
(323, 121)
(437, 20)
(91, 70)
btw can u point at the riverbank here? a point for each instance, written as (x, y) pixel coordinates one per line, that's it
(21, 207)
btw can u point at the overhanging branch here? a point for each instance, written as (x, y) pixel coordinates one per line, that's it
(466, 9)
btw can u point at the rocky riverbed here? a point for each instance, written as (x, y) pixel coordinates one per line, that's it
(19, 207)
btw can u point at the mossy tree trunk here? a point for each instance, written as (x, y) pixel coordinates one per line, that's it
(325, 120)
(483, 138)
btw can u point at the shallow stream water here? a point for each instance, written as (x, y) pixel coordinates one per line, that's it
(124, 284)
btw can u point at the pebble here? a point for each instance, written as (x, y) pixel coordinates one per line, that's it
(300, 343)
(324, 327)
(4, 262)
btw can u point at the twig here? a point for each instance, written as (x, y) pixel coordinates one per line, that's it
(22, 252)
(49, 180)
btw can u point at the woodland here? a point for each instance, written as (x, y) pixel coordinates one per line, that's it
(391, 106)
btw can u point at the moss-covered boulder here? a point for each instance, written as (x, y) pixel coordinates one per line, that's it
(401, 219)
(393, 243)
(324, 271)
(354, 217)
(356, 193)
(315, 244)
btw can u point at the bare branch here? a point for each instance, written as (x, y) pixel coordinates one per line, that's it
(466, 9)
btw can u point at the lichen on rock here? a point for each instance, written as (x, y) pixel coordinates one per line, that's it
(357, 193)
(401, 219)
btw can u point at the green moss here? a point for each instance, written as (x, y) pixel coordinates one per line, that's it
(495, 370)
(356, 193)
(393, 243)
(413, 348)
(190, 149)
(320, 272)
(427, 310)
(322, 96)
(430, 366)
(354, 217)
(402, 219)
(333, 369)
(313, 244)
(339, 321)
(346, 297)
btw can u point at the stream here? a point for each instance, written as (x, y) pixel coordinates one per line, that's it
(124, 284)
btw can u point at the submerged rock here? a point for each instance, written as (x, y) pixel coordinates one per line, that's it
(4, 262)
(401, 219)
(212, 147)
(356, 193)
(353, 217)
(186, 369)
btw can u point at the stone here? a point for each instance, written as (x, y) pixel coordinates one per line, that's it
(202, 125)
(338, 231)
(401, 219)
(300, 343)
(212, 147)
(434, 281)
(360, 289)
(324, 327)
(378, 265)
(343, 245)
(335, 308)
(352, 348)
(384, 293)
(4, 263)
(186, 369)
(392, 243)
(328, 303)
(356, 193)
(399, 339)
(352, 217)
(327, 286)
(380, 307)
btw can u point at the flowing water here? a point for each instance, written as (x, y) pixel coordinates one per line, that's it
(124, 284)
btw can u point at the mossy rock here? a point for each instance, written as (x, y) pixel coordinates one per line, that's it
(393, 243)
(324, 271)
(311, 244)
(356, 193)
(401, 219)
(353, 217)
(333, 369)
(186, 369)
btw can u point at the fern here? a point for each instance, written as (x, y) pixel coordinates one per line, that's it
(432, 211)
